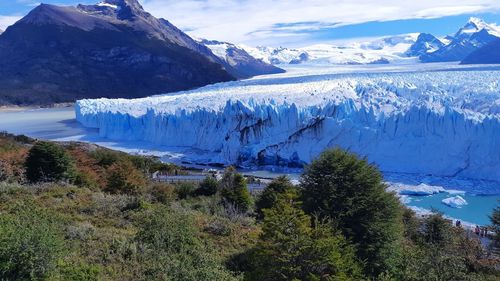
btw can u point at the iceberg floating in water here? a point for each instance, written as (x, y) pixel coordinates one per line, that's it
(455, 202)
(444, 123)
(415, 190)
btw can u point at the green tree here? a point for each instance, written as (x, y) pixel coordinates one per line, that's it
(271, 192)
(124, 178)
(208, 187)
(437, 230)
(48, 162)
(30, 244)
(234, 190)
(291, 248)
(495, 224)
(350, 191)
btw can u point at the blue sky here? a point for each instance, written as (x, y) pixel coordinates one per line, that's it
(298, 22)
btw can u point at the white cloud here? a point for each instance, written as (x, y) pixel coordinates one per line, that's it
(5, 21)
(251, 21)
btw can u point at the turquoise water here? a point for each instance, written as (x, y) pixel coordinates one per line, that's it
(477, 211)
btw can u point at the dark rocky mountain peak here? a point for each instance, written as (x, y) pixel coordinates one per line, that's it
(111, 49)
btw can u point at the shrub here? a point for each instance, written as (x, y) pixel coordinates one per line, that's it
(48, 162)
(185, 189)
(440, 251)
(106, 157)
(30, 244)
(234, 190)
(208, 187)
(219, 226)
(12, 168)
(270, 194)
(147, 165)
(79, 271)
(110, 205)
(124, 178)
(172, 250)
(350, 191)
(163, 192)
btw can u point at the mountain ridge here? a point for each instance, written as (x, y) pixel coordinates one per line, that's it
(472, 36)
(111, 49)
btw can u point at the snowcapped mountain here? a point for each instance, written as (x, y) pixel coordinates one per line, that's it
(426, 43)
(472, 36)
(488, 54)
(444, 123)
(241, 63)
(399, 48)
(382, 50)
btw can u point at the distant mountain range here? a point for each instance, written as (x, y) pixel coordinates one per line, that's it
(421, 47)
(474, 35)
(111, 49)
(382, 50)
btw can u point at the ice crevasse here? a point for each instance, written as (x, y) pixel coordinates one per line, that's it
(444, 123)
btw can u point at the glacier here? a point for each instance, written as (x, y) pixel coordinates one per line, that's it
(443, 121)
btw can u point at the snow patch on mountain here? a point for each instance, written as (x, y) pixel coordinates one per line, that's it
(105, 4)
(475, 25)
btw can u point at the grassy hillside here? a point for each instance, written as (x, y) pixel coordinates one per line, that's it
(105, 219)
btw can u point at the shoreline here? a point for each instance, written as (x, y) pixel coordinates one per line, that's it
(17, 108)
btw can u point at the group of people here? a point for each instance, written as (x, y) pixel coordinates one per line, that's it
(481, 231)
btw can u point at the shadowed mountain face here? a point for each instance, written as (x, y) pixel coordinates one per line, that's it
(425, 43)
(488, 54)
(112, 49)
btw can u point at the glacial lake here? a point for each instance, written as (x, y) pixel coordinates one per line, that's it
(60, 124)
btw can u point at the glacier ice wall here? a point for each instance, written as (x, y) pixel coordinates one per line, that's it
(443, 123)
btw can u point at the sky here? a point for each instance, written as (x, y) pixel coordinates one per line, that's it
(297, 23)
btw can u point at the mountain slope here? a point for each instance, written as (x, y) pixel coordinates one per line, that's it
(475, 34)
(241, 64)
(426, 43)
(489, 54)
(112, 49)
